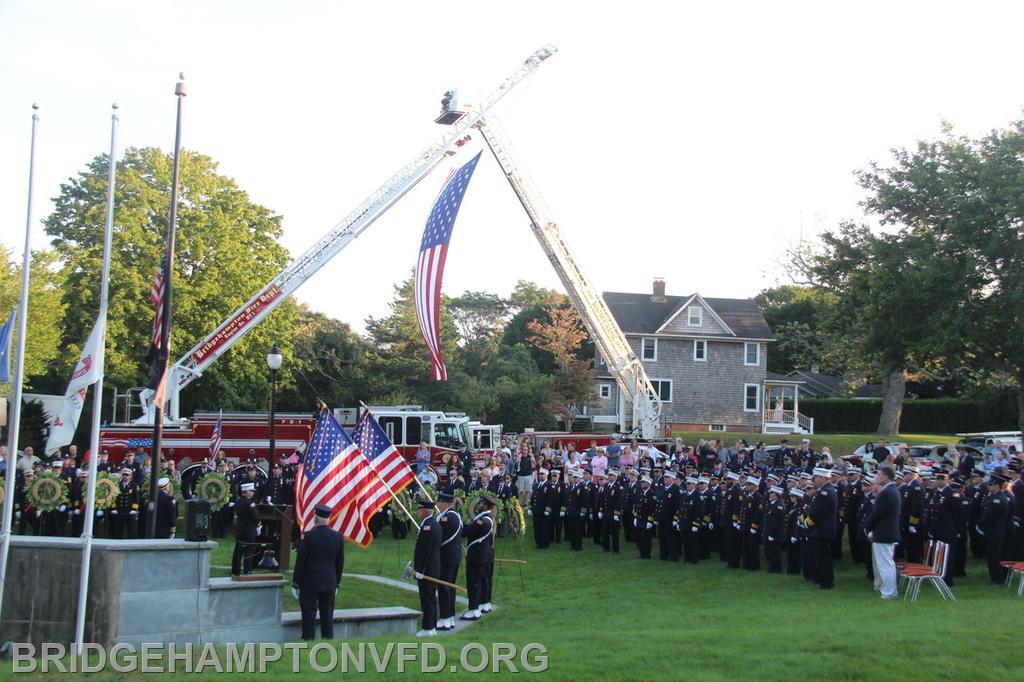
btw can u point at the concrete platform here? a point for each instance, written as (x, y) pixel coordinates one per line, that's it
(354, 623)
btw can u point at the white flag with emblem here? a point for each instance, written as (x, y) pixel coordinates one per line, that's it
(86, 373)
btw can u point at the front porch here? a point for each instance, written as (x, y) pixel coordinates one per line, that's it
(781, 413)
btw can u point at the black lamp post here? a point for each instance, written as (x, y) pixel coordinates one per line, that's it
(274, 363)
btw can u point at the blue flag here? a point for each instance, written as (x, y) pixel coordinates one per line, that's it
(5, 347)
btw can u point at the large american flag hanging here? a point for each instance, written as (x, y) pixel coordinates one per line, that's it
(389, 473)
(430, 266)
(330, 473)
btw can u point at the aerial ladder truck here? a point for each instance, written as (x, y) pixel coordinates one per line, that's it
(463, 117)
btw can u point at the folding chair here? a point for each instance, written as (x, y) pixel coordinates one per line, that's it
(929, 556)
(1008, 565)
(931, 574)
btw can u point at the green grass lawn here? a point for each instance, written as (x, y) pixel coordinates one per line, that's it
(604, 616)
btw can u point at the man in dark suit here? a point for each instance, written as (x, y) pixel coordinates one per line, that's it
(319, 563)
(451, 557)
(882, 527)
(166, 510)
(246, 532)
(822, 515)
(426, 562)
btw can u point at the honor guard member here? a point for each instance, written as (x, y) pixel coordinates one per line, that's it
(246, 531)
(319, 564)
(25, 512)
(996, 509)
(751, 516)
(912, 515)
(774, 528)
(538, 503)
(643, 517)
(629, 493)
(576, 508)
(842, 490)
(691, 518)
(451, 556)
(793, 530)
(666, 515)
(851, 505)
(962, 516)
(273, 489)
(166, 510)
(125, 514)
(709, 505)
(76, 500)
(942, 510)
(610, 513)
(554, 511)
(479, 536)
(977, 492)
(867, 505)
(426, 563)
(820, 519)
(734, 505)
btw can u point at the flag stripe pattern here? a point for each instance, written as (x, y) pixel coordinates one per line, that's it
(385, 465)
(215, 437)
(430, 265)
(156, 295)
(5, 347)
(158, 354)
(330, 472)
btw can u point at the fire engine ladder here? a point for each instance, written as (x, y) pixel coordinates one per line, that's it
(192, 364)
(622, 362)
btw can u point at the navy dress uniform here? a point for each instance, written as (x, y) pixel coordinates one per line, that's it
(427, 563)
(125, 514)
(538, 502)
(751, 516)
(610, 513)
(943, 509)
(451, 557)
(911, 517)
(792, 534)
(774, 529)
(643, 517)
(995, 511)
(691, 520)
(822, 516)
(319, 565)
(577, 506)
(480, 559)
(246, 531)
(166, 510)
(667, 517)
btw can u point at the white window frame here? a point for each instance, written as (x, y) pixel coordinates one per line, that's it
(700, 316)
(757, 360)
(757, 394)
(703, 358)
(605, 391)
(643, 341)
(717, 428)
(658, 388)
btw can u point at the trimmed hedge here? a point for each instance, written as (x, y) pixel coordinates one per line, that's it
(939, 415)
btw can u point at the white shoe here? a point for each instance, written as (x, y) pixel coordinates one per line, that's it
(486, 608)
(471, 615)
(427, 633)
(451, 623)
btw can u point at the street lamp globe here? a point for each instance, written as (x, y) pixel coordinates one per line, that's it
(274, 358)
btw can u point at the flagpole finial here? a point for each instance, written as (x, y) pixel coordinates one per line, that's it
(179, 87)
(35, 106)
(114, 106)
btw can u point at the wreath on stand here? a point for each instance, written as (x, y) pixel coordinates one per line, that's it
(48, 491)
(107, 489)
(516, 517)
(468, 506)
(215, 489)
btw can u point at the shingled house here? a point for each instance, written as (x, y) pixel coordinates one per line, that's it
(707, 358)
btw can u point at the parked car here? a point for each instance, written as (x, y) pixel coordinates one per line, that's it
(980, 440)
(858, 457)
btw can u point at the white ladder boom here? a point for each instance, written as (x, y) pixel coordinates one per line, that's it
(622, 362)
(190, 367)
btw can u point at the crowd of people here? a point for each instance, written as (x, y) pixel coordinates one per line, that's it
(788, 510)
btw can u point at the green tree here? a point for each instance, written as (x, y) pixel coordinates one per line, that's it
(46, 311)
(564, 337)
(226, 250)
(968, 195)
(480, 317)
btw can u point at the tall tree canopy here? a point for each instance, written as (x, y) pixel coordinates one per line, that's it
(227, 250)
(45, 312)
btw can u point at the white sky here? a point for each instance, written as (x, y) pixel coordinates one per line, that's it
(692, 142)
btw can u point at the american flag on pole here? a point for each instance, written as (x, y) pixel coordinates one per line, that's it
(331, 472)
(215, 438)
(5, 348)
(430, 266)
(389, 473)
(159, 343)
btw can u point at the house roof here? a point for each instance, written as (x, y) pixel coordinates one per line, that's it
(642, 314)
(824, 384)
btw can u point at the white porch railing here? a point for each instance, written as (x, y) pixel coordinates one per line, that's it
(780, 420)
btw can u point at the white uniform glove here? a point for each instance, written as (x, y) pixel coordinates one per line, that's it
(529, 512)
(17, 514)
(636, 523)
(649, 525)
(113, 512)
(259, 529)
(711, 526)
(419, 576)
(62, 508)
(792, 539)
(77, 512)
(561, 514)
(615, 517)
(600, 515)
(675, 524)
(753, 531)
(547, 513)
(771, 539)
(694, 529)
(99, 512)
(295, 592)
(913, 530)
(133, 512)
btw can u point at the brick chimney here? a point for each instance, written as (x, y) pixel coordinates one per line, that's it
(659, 289)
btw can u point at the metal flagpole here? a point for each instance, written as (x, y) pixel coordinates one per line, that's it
(416, 478)
(19, 374)
(395, 497)
(158, 419)
(97, 399)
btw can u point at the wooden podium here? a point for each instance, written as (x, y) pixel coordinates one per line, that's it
(277, 531)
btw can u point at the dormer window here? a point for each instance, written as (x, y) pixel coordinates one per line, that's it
(694, 316)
